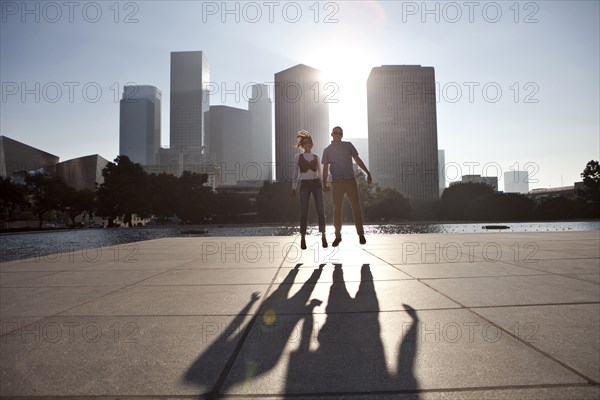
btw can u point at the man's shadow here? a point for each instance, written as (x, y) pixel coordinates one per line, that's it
(256, 347)
(350, 355)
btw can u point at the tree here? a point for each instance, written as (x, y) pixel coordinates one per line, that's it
(387, 204)
(13, 197)
(501, 207)
(79, 201)
(163, 191)
(124, 191)
(591, 193)
(47, 194)
(556, 208)
(457, 201)
(274, 205)
(193, 199)
(591, 175)
(227, 205)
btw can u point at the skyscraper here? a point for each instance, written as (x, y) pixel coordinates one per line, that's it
(261, 114)
(442, 170)
(139, 125)
(299, 104)
(231, 141)
(402, 125)
(190, 78)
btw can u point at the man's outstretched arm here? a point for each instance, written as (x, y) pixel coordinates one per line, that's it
(362, 165)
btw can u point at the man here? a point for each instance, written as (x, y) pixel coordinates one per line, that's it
(337, 158)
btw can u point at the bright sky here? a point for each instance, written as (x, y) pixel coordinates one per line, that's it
(518, 82)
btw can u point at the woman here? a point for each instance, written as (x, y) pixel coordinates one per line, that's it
(307, 175)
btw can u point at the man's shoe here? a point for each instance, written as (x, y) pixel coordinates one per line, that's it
(303, 244)
(336, 241)
(324, 241)
(362, 239)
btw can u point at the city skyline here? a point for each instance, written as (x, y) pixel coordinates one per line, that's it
(512, 86)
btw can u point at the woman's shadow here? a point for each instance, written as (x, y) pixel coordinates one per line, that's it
(350, 355)
(255, 347)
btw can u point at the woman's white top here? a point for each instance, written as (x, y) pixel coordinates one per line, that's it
(307, 175)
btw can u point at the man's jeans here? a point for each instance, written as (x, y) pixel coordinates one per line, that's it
(350, 188)
(306, 188)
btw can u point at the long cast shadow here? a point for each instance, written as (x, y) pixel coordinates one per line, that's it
(264, 338)
(350, 357)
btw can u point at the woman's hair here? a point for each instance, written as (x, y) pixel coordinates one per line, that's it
(300, 136)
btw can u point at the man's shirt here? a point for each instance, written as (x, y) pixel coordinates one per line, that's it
(339, 156)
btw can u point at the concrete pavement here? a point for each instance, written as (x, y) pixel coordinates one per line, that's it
(428, 316)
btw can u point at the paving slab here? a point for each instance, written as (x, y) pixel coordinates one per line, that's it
(433, 316)
(595, 278)
(46, 301)
(465, 270)
(117, 356)
(561, 331)
(84, 277)
(564, 266)
(220, 276)
(12, 278)
(516, 290)
(171, 300)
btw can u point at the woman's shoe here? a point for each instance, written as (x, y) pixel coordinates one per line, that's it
(303, 244)
(324, 241)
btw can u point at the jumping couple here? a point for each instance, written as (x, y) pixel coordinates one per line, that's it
(337, 160)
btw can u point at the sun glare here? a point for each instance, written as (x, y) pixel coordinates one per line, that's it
(344, 74)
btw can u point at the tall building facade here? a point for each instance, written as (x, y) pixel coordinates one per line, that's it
(442, 170)
(300, 103)
(362, 146)
(231, 141)
(242, 140)
(260, 107)
(190, 76)
(82, 172)
(139, 123)
(402, 126)
(516, 182)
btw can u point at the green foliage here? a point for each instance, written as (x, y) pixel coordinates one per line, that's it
(387, 204)
(47, 194)
(273, 203)
(227, 206)
(556, 208)
(128, 190)
(162, 196)
(78, 201)
(193, 199)
(459, 201)
(591, 175)
(591, 193)
(13, 198)
(478, 202)
(501, 207)
(124, 191)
